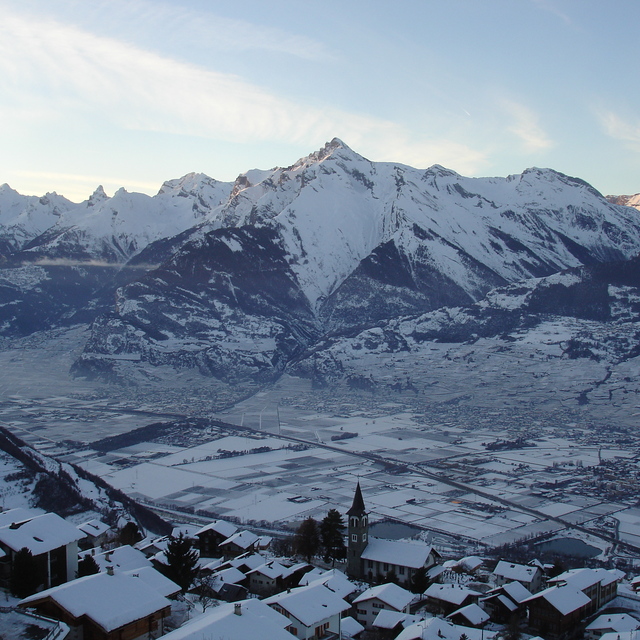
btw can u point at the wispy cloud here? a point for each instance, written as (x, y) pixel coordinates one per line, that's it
(553, 8)
(80, 72)
(66, 262)
(620, 128)
(525, 125)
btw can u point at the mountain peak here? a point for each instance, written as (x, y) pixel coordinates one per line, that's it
(97, 196)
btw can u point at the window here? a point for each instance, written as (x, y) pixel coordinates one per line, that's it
(354, 537)
(385, 566)
(369, 564)
(362, 612)
(378, 605)
(401, 571)
(364, 537)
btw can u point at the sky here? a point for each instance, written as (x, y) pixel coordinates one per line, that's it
(130, 93)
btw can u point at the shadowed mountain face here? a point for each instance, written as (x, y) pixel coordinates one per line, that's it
(252, 275)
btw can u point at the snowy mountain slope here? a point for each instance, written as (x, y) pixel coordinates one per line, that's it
(335, 243)
(592, 312)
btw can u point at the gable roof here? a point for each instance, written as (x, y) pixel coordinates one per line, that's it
(242, 539)
(43, 533)
(473, 613)
(155, 580)
(255, 620)
(93, 527)
(110, 601)
(333, 579)
(565, 599)
(516, 591)
(389, 593)
(512, 571)
(584, 577)
(439, 629)
(453, 593)
(387, 619)
(122, 558)
(221, 527)
(397, 552)
(310, 604)
(614, 622)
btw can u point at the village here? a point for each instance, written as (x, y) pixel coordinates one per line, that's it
(330, 581)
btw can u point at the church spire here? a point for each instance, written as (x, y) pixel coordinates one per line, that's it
(357, 508)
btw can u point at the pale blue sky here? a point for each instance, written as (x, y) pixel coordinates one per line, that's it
(134, 92)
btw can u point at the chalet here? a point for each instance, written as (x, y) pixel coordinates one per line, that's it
(447, 598)
(334, 579)
(528, 576)
(239, 543)
(600, 585)
(610, 623)
(52, 541)
(211, 535)
(104, 606)
(503, 602)
(246, 620)
(558, 610)
(385, 596)
(314, 611)
(388, 624)
(272, 577)
(469, 616)
(369, 558)
(439, 629)
(351, 628)
(96, 533)
(122, 559)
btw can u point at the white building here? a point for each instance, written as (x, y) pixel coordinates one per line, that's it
(385, 596)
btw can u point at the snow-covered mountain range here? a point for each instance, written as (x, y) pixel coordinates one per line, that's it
(241, 279)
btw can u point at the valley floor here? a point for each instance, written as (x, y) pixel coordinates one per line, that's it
(487, 445)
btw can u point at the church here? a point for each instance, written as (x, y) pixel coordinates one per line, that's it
(373, 558)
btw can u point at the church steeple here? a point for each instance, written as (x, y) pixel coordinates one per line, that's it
(358, 532)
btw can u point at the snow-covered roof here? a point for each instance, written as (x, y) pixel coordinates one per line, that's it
(516, 591)
(19, 514)
(621, 635)
(230, 575)
(473, 613)
(512, 571)
(471, 563)
(43, 533)
(389, 593)
(439, 629)
(387, 619)
(155, 580)
(333, 579)
(614, 622)
(242, 539)
(122, 558)
(221, 527)
(310, 604)
(584, 578)
(564, 599)
(349, 627)
(93, 527)
(110, 601)
(255, 620)
(398, 552)
(507, 602)
(453, 593)
(251, 560)
(272, 569)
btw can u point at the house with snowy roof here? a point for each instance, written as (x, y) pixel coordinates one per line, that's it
(351, 628)
(558, 610)
(211, 535)
(447, 598)
(610, 623)
(239, 543)
(334, 579)
(369, 558)
(387, 596)
(272, 577)
(471, 615)
(600, 585)
(122, 558)
(106, 606)
(314, 611)
(528, 576)
(388, 624)
(501, 603)
(439, 629)
(96, 533)
(52, 541)
(247, 620)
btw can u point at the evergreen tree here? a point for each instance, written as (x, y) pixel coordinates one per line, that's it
(182, 561)
(307, 539)
(130, 534)
(24, 574)
(419, 581)
(87, 566)
(331, 529)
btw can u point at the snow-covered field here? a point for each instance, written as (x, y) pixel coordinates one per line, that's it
(443, 424)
